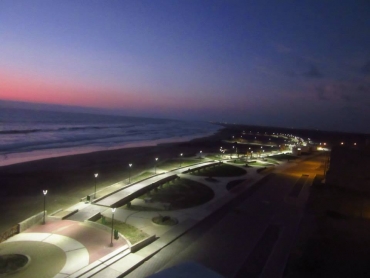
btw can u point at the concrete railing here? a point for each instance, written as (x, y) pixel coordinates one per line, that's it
(9, 233)
(33, 220)
(138, 245)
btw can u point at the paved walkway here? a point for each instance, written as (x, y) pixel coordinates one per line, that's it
(125, 194)
(86, 247)
(81, 243)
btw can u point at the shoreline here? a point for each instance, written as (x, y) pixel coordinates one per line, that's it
(70, 178)
(24, 157)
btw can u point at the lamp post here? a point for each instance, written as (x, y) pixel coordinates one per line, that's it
(200, 154)
(96, 177)
(111, 237)
(45, 192)
(180, 159)
(236, 151)
(155, 166)
(129, 173)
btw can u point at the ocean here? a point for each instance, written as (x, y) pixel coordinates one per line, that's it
(27, 135)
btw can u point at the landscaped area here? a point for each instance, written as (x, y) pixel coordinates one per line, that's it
(223, 170)
(238, 161)
(179, 194)
(129, 232)
(142, 176)
(281, 157)
(10, 263)
(259, 164)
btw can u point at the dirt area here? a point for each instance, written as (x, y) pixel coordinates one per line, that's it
(334, 239)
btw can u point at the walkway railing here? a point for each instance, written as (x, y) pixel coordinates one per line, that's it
(9, 233)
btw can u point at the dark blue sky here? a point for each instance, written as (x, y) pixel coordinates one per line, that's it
(286, 63)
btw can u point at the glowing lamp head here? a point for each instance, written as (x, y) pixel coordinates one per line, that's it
(130, 164)
(45, 192)
(96, 175)
(113, 210)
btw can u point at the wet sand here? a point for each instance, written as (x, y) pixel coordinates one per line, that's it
(70, 178)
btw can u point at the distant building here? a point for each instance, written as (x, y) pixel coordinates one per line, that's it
(349, 168)
(298, 150)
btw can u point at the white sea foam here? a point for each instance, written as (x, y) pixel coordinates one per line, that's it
(27, 135)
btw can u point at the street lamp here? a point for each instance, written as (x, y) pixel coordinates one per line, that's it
(180, 159)
(96, 177)
(111, 237)
(45, 192)
(155, 166)
(129, 173)
(200, 154)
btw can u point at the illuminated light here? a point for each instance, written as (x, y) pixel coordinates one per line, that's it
(341, 143)
(129, 173)
(355, 144)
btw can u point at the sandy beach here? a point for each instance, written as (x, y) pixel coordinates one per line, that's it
(70, 178)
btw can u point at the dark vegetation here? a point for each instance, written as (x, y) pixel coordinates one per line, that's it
(223, 170)
(180, 194)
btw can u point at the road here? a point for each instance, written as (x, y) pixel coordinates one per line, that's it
(252, 235)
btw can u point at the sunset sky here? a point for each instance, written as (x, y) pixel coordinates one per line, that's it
(283, 63)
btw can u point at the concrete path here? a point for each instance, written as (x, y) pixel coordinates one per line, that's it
(82, 244)
(125, 193)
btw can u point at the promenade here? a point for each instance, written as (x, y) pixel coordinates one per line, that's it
(86, 247)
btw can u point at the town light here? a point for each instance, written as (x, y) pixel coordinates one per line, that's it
(96, 177)
(129, 173)
(155, 166)
(44, 192)
(111, 237)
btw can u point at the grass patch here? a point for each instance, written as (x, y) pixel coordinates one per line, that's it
(223, 170)
(334, 239)
(142, 176)
(181, 194)
(175, 163)
(132, 233)
(281, 157)
(213, 157)
(257, 163)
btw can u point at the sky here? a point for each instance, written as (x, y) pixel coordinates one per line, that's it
(302, 64)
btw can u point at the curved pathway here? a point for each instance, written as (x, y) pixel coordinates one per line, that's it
(64, 246)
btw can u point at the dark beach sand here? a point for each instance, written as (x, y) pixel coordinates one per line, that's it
(70, 178)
